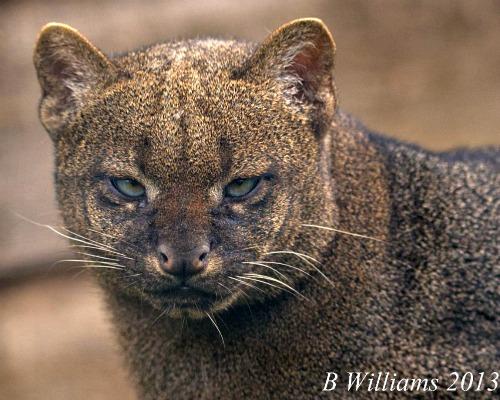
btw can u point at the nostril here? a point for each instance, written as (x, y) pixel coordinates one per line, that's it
(163, 257)
(203, 256)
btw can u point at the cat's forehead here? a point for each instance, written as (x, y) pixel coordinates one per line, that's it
(198, 122)
(186, 148)
(190, 128)
(199, 139)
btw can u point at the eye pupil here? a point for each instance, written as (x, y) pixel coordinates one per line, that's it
(129, 188)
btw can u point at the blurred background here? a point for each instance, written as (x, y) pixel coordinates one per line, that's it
(425, 71)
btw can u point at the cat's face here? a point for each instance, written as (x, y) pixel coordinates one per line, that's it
(190, 167)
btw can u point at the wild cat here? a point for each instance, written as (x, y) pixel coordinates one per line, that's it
(252, 238)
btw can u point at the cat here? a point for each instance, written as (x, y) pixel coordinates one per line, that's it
(255, 241)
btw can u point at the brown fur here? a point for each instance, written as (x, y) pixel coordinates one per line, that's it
(185, 119)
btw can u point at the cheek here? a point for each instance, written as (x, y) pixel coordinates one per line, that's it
(152, 265)
(107, 217)
(277, 214)
(260, 224)
(215, 264)
(121, 225)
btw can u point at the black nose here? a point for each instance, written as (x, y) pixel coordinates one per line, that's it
(183, 264)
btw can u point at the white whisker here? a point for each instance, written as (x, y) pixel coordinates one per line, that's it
(225, 287)
(248, 248)
(306, 259)
(266, 266)
(269, 278)
(98, 266)
(96, 256)
(87, 261)
(246, 297)
(134, 282)
(50, 227)
(246, 284)
(86, 243)
(99, 248)
(345, 232)
(285, 265)
(159, 316)
(216, 327)
(301, 255)
(266, 283)
(78, 274)
(90, 241)
(112, 237)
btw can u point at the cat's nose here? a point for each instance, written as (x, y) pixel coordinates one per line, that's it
(183, 264)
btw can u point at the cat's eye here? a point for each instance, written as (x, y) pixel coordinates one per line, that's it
(242, 187)
(128, 188)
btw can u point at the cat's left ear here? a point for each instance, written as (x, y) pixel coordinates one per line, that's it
(69, 67)
(299, 56)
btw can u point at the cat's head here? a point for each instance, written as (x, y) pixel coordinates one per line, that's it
(187, 169)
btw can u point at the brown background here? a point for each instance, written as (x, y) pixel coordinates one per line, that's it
(423, 71)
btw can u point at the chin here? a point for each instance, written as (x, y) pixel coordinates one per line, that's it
(189, 302)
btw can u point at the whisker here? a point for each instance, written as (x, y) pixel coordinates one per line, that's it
(78, 274)
(98, 266)
(84, 269)
(217, 317)
(248, 248)
(183, 321)
(296, 253)
(87, 261)
(94, 245)
(244, 294)
(98, 248)
(96, 256)
(50, 227)
(247, 284)
(265, 277)
(91, 241)
(131, 283)
(232, 292)
(225, 287)
(266, 266)
(306, 259)
(345, 232)
(167, 308)
(216, 327)
(285, 265)
(266, 283)
(246, 297)
(112, 237)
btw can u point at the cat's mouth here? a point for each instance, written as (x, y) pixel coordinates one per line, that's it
(184, 297)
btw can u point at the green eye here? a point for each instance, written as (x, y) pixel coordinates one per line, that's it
(241, 187)
(128, 187)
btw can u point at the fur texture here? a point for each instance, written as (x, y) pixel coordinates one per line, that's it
(413, 292)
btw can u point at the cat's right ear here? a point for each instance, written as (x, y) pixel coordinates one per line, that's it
(298, 58)
(69, 67)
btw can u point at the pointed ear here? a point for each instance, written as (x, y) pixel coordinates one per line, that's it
(300, 57)
(69, 67)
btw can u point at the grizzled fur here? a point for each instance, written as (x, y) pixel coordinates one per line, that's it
(414, 291)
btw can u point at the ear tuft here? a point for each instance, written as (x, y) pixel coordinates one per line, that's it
(300, 56)
(68, 67)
